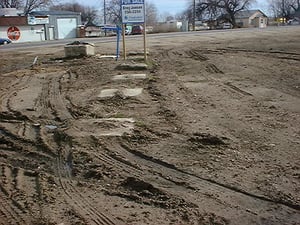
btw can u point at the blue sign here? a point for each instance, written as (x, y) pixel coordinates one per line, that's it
(133, 11)
(128, 2)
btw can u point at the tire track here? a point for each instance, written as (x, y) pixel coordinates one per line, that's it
(200, 183)
(18, 85)
(57, 101)
(235, 88)
(10, 209)
(76, 199)
(275, 54)
(113, 159)
(51, 102)
(10, 213)
(43, 104)
(196, 55)
(24, 146)
(212, 68)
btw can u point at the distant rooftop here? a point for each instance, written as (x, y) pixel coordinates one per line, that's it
(53, 12)
(247, 13)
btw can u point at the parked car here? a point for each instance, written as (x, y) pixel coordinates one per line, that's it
(127, 31)
(138, 29)
(4, 41)
(224, 26)
(227, 26)
(293, 22)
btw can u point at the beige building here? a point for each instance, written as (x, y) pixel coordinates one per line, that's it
(251, 18)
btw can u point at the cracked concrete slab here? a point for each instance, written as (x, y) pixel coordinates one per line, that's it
(131, 92)
(133, 66)
(129, 76)
(108, 93)
(127, 92)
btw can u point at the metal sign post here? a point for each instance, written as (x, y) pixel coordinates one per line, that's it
(117, 29)
(133, 12)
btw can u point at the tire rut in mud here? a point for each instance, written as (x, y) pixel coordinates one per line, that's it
(204, 183)
(126, 167)
(17, 207)
(82, 205)
(292, 205)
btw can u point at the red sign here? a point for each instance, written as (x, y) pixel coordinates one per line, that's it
(13, 33)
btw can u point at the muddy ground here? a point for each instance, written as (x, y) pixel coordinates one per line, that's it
(208, 134)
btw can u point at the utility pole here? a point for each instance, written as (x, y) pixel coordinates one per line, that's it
(104, 14)
(194, 15)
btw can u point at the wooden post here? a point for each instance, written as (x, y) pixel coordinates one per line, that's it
(124, 44)
(145, 45)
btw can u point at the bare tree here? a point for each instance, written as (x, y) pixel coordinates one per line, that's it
(227, 9)
(296, 5)
(166, 16)
(151, 14)
(209, 9)
(30, 5)
(113, 12)
(284, 8)
(232, 7)
(26, 5)
(10, 4)
(88, 14)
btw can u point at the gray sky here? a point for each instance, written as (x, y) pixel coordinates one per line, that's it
(170, 6)
(175, 6)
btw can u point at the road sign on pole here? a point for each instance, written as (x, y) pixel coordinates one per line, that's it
(133, 11)
(13, 33)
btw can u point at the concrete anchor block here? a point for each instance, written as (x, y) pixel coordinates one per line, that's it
(79, 50)
(133, 66)
(129, 77)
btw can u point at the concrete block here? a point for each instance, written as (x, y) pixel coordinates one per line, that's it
(129, 77)
(108, 93)
(133, 66)
(79, 50)
(127, 92)
(132, 92)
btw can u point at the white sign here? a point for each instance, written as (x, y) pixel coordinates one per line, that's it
(133, 11)
(37, 20)
(42, 20)
(127, 2)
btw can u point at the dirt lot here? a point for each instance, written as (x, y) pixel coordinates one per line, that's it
(208, 134)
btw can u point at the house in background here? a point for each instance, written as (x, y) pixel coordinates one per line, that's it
(92, 30)
(39, 25)
(251, 18)
(168, 26)
(17, 29)
(295, 18)
(58, 24)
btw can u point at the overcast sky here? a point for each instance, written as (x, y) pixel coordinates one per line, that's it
(175, 6)
(170, 6)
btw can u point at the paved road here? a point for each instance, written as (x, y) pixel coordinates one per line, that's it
(26, 45)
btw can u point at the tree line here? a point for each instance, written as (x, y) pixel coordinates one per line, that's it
(196, 10)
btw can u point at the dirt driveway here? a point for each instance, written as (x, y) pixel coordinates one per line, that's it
(208, 134)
